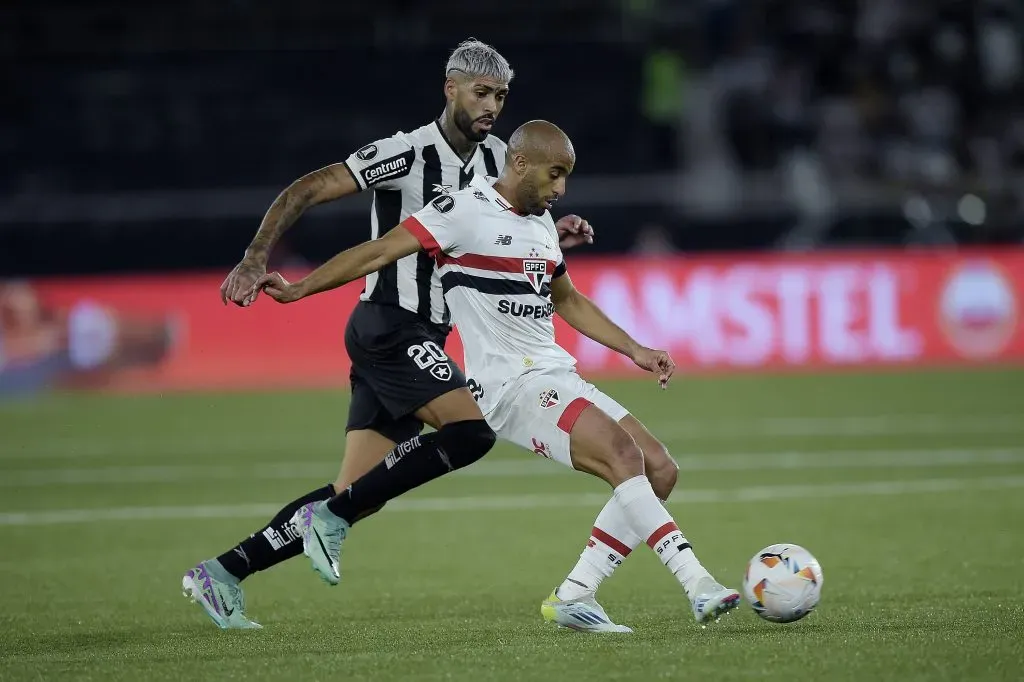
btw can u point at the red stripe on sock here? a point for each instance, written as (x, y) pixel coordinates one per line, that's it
(657, 535)
(616, 545)
(571, 413)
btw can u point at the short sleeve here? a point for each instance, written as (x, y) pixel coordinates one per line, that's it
(560, 268)
(443, 225)
(382, 164)
(549, 221)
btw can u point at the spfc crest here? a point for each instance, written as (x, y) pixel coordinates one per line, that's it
(535, 271)
(549, 398)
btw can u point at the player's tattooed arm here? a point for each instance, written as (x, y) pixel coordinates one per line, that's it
(347, 266)
(323, 185)
(326, 184)
(584, 316)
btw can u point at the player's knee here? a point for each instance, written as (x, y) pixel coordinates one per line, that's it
(465, 442)
(627, 457)
(662, 471)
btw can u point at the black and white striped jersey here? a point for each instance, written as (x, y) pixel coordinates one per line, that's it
(406, 172)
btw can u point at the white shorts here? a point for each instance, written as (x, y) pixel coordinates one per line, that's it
(538, 410)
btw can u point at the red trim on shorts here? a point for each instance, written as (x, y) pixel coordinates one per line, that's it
(615, 545)
(492, 263)
(657, 535)
(422, 234)
(571, 413)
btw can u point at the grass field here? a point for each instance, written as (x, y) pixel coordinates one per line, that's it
(909, 488)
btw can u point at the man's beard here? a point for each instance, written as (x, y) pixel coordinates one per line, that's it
(465, 124)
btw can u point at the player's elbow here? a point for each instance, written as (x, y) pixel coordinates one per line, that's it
(299, 196)
(565, 303)
(378, 255)
(377, 264)
(569, 308)
(325, 184)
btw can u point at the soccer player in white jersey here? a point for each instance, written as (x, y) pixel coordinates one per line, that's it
(395, 337)
(504, 277)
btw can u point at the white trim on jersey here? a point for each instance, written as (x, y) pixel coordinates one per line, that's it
(371, 279)
(408, 285)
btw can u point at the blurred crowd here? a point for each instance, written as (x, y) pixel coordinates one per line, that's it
(826, 104)
(910, 91)
(905, 117)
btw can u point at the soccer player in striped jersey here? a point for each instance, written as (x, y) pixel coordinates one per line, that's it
(504, 278)
(401, 376)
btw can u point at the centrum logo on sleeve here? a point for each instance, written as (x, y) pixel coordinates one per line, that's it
(395, 167)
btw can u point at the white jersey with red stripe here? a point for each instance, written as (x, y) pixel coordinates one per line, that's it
(496, 268)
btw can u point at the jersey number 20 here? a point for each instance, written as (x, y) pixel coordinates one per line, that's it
(426, 354)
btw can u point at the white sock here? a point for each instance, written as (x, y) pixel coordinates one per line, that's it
(649, 519)
(610, 543)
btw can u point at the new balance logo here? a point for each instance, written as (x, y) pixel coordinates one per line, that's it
(504, 240)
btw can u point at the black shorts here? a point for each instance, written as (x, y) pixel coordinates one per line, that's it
(398, 366)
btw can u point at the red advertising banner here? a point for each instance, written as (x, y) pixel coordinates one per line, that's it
(814, 311)
(730, 313)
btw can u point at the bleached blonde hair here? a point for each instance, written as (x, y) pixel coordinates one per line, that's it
(475, 58)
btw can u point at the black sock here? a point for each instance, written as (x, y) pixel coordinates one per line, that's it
(272, 544)
(413, 463)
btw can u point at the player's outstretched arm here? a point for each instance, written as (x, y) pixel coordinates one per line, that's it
(584, 316)
(349, 265)
(326, 184)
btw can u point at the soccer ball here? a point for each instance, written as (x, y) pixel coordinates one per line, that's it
(783, 583)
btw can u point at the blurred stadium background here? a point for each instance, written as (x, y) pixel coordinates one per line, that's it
(817, 206)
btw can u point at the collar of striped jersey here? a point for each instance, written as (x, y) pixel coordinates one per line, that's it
(445, 143)
(485, 185)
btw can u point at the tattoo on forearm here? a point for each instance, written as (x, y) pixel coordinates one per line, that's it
(288, 206)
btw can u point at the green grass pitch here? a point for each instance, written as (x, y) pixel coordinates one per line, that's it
(908, 487)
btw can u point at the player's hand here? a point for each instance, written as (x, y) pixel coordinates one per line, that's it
(275, 286)
(573, 231)
(239, 282)
(657, 361)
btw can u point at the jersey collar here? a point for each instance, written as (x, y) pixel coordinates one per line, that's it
(485, 186)
(447, 145)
